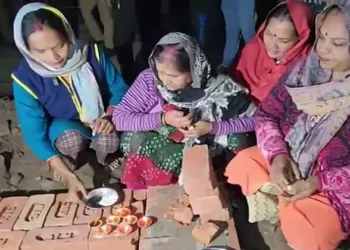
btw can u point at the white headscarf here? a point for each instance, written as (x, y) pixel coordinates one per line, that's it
(77, 66)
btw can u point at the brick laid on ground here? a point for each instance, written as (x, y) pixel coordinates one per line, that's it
(86, 214)
(10, 209)
(62, 212)
(34, 212)
(57, 238)
(140, 195)
(11, 240)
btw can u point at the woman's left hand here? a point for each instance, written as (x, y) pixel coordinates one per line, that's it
(199, 129)
(102, 126)
(303, 189)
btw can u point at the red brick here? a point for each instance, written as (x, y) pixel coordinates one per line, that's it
(86, 214)
(57, 238)
(183, 215)
(140, 195)
(206, 205)
(62, 212)
(205, 233)
(128, 198)
(110, 210)
(34, 212)
(197, 171)
(11, 240)
(10, 208)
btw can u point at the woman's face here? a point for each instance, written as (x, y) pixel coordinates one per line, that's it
(279, 38)
(171, 77)
(48, 46)
(332, 45)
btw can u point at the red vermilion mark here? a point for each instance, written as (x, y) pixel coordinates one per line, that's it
(39, 26)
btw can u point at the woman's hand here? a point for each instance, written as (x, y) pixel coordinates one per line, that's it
(284, 171)
(177, 119)
(102, 126)
(199, 129)
(76, 189)
(302, 189)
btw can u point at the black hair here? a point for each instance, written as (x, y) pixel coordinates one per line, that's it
(333, 8)
(42, 17)
(179, 54)
(282, 13)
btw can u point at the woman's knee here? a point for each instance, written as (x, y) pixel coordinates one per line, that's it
(305, 229)
(108, 143)
(70, 142)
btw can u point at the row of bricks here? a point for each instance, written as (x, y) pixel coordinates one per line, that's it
(80, 237)
(27, 213)
(77, 237)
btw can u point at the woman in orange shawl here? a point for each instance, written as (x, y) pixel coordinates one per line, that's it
(281, 40)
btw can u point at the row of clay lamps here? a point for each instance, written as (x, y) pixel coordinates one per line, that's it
(122, 223)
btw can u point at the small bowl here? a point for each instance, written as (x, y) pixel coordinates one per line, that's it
(96, 223)
(123, 229)
(105, 230)
(113, 220)
(130, 219)
(144, 222)
(122, 212)
(102, 198)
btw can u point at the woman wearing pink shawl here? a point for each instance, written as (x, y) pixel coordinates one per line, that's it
(299, 175)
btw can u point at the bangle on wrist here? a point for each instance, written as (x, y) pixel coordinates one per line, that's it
(163, 119)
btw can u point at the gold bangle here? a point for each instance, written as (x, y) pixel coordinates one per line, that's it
(163, 120)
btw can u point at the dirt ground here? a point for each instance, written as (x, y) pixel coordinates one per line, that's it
(20, 170)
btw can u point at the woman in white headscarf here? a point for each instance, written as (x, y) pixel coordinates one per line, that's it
(64, 92)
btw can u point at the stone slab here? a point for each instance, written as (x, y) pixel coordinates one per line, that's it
(161, 193)
(169, 243)
(158, 201)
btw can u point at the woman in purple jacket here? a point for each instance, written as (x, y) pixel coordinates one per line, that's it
(177, 103)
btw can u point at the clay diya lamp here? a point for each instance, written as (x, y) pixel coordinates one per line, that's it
(96, 223)
(130, 219)
(144, 222)
(123, 229)
(122, 212)
(105, 230)
(113, 220)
